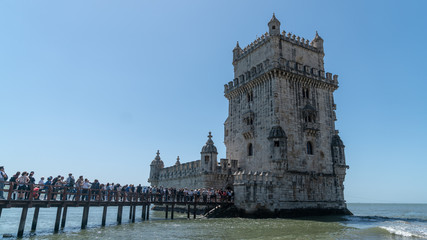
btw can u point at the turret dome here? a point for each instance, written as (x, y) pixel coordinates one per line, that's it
(209, 146)
(158, 161)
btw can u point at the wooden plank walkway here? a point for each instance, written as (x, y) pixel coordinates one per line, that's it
(64, 197)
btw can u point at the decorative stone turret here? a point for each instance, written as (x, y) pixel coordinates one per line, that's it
(236, 52)
(338, 150)
(274, 26)
(317, 42)
(339, 164)
(155, 167)
(209, 155)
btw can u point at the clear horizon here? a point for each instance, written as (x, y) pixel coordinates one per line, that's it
(96, 88)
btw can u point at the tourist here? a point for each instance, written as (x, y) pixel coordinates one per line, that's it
(58, 184)
(22, 181)
(12, 182)
(47, 185)
(78, 185)
(3, 178)
(107, 190)
(70, 185)
(95, 189)
(31, 183)
(85, 189)
(41, 186)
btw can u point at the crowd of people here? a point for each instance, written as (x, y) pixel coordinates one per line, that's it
(53, 188)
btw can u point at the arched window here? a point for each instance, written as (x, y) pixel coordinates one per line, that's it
(250, 150)
(309, 148)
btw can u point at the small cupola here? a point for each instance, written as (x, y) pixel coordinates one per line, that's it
(157, 161)
(209, 146)
(274, 26)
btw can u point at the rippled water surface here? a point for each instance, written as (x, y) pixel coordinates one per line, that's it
(371, 221)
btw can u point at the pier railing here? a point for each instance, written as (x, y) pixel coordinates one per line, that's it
(48, 193)
(45, 196)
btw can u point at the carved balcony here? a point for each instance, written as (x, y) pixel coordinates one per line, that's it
(311, 128)
(248, 131)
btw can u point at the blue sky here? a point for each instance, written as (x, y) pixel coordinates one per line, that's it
(97, 87)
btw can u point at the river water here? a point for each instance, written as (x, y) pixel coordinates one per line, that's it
(370, 221)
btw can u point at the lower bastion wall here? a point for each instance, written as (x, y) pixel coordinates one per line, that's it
(264, 193)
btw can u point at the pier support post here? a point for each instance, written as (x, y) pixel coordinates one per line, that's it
(133, 213)
(85, 216)
(35, 219)
(173, 206)
(130, 212)
(58, 218)
(0, 211)
(194, 211)
(104, 216)
(119, 214)
(148, 211)
(22, 222)
(167, 210)
(144, 206)
(64, 216)
(188, 211)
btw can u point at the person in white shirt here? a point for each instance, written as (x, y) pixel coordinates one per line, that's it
(85, 187)
(3, 178)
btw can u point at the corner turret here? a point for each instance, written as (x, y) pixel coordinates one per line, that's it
(209, 155)
(317, 42)
(274, 26)
(236, 52)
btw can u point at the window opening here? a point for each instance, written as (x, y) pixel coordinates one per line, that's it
(309, 148)
(250, 150)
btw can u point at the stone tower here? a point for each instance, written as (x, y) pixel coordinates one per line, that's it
(281, 126)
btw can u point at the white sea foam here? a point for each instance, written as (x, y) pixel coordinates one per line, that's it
(406, 229)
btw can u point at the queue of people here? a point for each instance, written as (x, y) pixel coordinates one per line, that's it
(25, 187)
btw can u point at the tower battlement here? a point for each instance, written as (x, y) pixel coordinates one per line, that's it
(301, 72)
(289, 37)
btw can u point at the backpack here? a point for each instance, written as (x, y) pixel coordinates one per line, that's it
(72, 181)
(4, 177)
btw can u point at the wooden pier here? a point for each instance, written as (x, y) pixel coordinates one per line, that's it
(64, 197)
